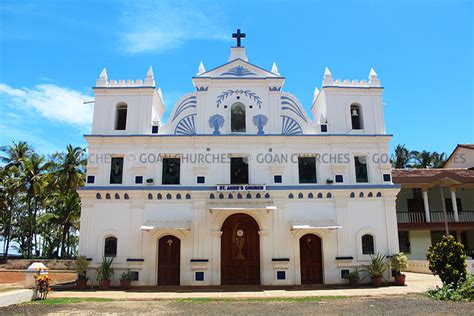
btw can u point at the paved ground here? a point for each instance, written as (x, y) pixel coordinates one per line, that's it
(413, 304)
(416, 283)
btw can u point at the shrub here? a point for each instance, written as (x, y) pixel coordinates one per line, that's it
(126, 276)
(105, 270)
(462, 292)
(81, 266)
(42, 282)
(448, 261)
(377, 265)
(399, 262)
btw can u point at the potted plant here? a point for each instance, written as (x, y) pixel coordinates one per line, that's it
(105, 273)
(399, 262)
(353, 278)
(376, 268)
(126, 280)
(81, 269)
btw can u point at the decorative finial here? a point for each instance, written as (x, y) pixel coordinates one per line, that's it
(327, 73)
(316, 93)
(201, 69)
(103, 74)
(238, 36)
(327, 80)
(372, 73)
(150, 73)
(275, 69)
(150, 77)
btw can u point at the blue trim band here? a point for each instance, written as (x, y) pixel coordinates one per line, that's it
(280, 259)
(214, 188)
(241, 135)
(135, 260)
(239, 78)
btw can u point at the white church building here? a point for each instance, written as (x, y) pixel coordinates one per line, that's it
(239, 185)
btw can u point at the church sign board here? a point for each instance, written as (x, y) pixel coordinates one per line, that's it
(242, 187)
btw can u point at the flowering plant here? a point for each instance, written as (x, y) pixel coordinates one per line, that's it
(43, 282)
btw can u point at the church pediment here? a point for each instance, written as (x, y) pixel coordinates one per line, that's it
(238, 69)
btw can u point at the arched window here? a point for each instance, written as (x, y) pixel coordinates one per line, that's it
(356, 117)
(110, 247)
(121, 117)
(237, 117)
(368, 245)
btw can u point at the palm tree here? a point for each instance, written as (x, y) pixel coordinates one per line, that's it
(9, 200)
(401, 158)
(34, 176)
(70, 169)
(15, 153)
(426, 159)
(438, 159)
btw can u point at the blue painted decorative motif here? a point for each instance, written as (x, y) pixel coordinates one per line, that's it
(248, 93)
(184, 105)
(216, 122)
(238, 71)
(186, 126)
(290, 126)
(289, 104)
(260, 121)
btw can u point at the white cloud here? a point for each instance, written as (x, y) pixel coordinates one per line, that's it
(52, 102)
(159, 26)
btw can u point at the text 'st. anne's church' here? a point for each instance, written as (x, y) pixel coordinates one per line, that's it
(239, 185)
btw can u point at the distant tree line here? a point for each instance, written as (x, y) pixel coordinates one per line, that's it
(404, 158)
(40, 208)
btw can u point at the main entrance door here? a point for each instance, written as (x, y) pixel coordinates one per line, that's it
(311, 259)
(168, 260)
(240, 250)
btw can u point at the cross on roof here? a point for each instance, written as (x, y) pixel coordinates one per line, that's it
(238, 36)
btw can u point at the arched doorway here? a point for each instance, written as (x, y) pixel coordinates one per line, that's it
(240, 251)
(169, 248)
(311, 259)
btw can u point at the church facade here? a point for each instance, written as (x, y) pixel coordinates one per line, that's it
(239, 185)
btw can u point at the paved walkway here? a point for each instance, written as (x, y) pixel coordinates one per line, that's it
(416, 283)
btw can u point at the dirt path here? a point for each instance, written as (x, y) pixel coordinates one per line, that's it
(414, 304)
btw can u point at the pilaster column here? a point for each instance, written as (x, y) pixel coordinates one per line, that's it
(340, 204)
(427, 205)
(455, 205)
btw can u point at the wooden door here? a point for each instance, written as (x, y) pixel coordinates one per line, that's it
(240, 251)
(169, 248)
(311, 259)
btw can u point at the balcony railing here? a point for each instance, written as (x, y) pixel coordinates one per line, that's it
(436, 217)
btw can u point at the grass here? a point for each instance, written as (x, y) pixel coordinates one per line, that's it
(71, 300)
(269, 299)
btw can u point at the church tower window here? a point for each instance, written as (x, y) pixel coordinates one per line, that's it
(110, 247)
(356, 117)
(171, 171)
(121, 117)
(307, 169)
(116, 170)
(361, 169)
(237, 117)
(239, 170)
(368, 245)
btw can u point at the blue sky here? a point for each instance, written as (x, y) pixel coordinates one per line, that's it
(51, 53)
